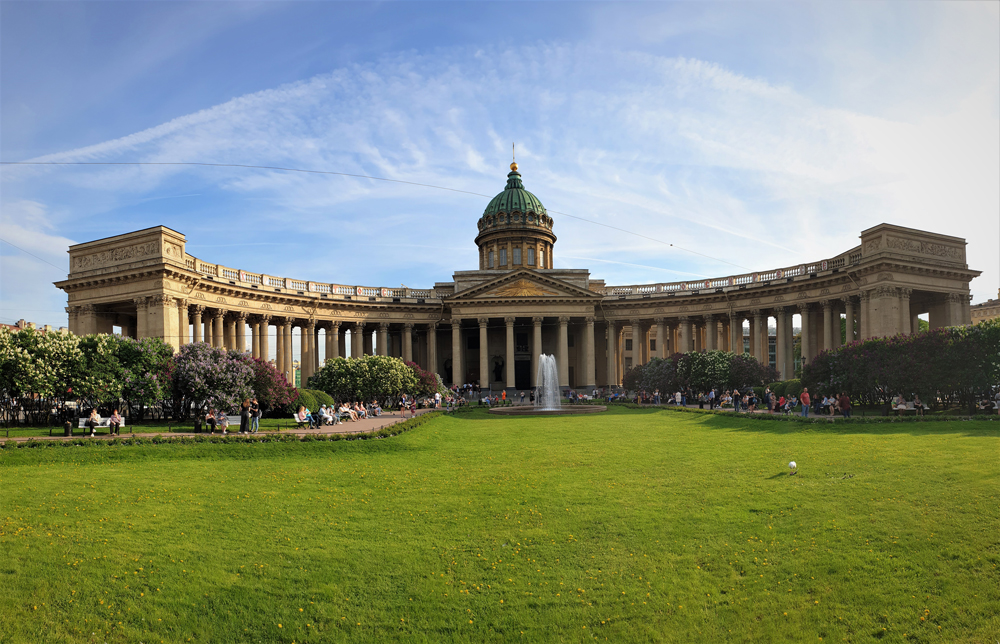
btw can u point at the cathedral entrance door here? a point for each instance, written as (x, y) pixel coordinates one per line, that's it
(522, 374)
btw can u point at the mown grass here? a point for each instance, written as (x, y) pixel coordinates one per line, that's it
(626, 526)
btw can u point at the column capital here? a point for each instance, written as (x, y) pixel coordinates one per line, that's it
(847, 299)
(383, 326)
(684, 318)
(288, 323)
(160, 299)
(242, 315)
(335, 325)
(509, 321)
(803, 307)
(455, 322)
(905, 293)
(865, 296)
(709, 317)
(87, 309)
(660, 320)
(182, 303)
(408, 326)
(218, 314)
(537, 321)
(141, 302)
(826, 304)
(756, 313)
(264, 318)
(779, 309)
(957, 298)
(198, 309)
(309, 325)
(483, 322)
(591, 319)
(563, 319)
(432, 325)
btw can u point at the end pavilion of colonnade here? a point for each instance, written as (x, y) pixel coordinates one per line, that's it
(489, 325)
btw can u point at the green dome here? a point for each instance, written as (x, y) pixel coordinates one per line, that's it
(514, 198)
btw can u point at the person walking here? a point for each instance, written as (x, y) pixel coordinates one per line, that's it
(711, 399)
(845, 404)
(804, 399)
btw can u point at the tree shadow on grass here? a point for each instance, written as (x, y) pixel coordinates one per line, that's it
(978, 428)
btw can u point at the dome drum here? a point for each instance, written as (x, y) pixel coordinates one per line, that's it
(515, 219)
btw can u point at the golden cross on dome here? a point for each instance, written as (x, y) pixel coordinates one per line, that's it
(513, 156)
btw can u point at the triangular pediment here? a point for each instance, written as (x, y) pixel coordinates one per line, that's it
(524, 285)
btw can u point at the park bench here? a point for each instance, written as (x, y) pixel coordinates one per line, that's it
(902, 411)
(105, 422)
(299, 424)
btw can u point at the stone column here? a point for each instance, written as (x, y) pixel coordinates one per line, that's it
(589, 361)
(432, 347)
(685, 334)
(255, 337)
(789, 343)
(229, 324)
(342, 341)
(141, 307)
(827, 325)
(357, 346)
(779, 341)
(306, 350)
(612, 358)
(265, 338)
(333, 341)
(905, 321)
(509, 323)
(408, 342)
(563, 358)
(863, 326)
(806, 339)
(711, 332)
(661, 338)
(635, 335)
(287, 350)
(484, 353)
(161, 320)
(725, 335)
(762, 340)
(279, 347)
(241, 331)
(196, 312)
(218, 330)
(456, 352)
(383, 339)
(736, 333)
(536, 347)
(182, 322)
(848, 319)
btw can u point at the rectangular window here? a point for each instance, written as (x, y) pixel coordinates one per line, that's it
(490, 265)
(628, 345)
(531, 257)
(503, 256)
(541, 259)
(517, 255)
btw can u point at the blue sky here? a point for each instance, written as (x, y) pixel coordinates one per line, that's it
(760, 135)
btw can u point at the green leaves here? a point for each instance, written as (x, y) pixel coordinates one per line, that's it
(365, 379)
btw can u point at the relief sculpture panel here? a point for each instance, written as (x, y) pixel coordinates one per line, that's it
(116, 256)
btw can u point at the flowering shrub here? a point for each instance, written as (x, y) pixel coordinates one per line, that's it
(954, 363)
(368, 378)
(209, 377)
(270, 385)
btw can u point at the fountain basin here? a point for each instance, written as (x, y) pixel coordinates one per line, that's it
(531, 410)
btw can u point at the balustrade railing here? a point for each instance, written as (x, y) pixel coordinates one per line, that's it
(851, 257)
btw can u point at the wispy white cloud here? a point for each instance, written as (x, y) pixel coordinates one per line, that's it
(683, 150)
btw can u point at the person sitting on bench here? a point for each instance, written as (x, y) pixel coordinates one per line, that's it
(223, 421)
(115, 423)
(93, 421)
(210, 421)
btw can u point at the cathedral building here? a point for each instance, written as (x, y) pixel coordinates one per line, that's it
(489, 325)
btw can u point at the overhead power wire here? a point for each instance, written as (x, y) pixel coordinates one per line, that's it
(356, 176)
(32, 254)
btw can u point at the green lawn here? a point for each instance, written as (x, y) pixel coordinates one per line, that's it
(629, 526)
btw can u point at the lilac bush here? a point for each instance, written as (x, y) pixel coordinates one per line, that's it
(212, 378)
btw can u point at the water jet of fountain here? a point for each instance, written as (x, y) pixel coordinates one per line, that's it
(547, 397)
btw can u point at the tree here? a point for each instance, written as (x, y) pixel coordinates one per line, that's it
(37, 370)
(379, 378)
(209, 377)
(427, 382)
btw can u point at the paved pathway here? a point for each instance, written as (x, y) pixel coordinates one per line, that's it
(347, 427)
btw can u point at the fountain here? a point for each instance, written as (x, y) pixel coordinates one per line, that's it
(547, 395)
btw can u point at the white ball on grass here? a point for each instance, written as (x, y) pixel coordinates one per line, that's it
(792, 465)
